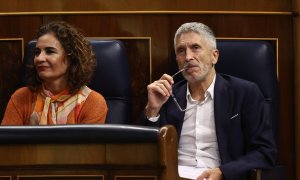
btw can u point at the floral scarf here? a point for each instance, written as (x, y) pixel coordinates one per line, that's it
(62, 108)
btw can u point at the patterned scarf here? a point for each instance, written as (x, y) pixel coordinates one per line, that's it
(62, 108)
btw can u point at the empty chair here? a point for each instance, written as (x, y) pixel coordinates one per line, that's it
(111, 79)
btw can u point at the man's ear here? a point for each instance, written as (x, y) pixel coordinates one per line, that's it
(215, 56)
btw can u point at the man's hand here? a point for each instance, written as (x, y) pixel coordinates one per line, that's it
(158, 93)
(211, 174)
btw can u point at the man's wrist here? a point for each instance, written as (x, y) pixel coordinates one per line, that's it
(151, 112)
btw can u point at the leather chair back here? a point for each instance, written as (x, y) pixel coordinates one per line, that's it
(111, 77)
(255, 61)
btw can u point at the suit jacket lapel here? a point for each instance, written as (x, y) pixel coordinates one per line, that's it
(223, 100)
(222, 107)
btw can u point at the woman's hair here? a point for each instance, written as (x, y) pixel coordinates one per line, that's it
(198, 28)
(81, 58)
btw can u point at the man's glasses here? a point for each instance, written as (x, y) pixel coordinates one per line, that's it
(174, 98)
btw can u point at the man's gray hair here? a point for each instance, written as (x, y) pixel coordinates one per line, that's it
(198, 28)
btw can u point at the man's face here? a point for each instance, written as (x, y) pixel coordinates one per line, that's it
(195, 53)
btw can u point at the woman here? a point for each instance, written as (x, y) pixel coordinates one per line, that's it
(56, 91)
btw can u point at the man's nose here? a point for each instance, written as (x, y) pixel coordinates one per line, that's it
(188, 54)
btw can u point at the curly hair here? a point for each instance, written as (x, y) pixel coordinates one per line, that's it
(79, 51)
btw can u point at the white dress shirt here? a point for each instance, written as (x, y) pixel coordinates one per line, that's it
(198, 145)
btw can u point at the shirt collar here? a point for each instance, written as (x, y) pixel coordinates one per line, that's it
(208, 92)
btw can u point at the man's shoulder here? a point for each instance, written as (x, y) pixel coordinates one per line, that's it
(234, 81)
(236, 84)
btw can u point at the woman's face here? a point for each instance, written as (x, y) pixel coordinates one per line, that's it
(50, 59)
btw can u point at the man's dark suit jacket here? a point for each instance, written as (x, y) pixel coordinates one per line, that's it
(244, 132)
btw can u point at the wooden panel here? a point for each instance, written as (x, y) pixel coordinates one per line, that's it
(10, 69)
(296, 7)
(61, 172)
(47, 154)
(138, 151)
(61, 177)
(140, 174)
(143, 5)
(135, 178)
(5, 177)
(18, 29)
(19, 26)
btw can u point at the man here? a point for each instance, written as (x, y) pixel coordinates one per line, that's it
(221, 121)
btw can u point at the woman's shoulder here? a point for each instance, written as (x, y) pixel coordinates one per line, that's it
(95, 99)
(22, 91)
(23, 95)
(95, 95)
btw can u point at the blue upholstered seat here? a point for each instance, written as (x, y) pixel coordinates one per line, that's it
(111, 77)
(112, 80)
(254, 61)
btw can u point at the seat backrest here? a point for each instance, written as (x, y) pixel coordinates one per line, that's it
(253, 60)
(111, 77)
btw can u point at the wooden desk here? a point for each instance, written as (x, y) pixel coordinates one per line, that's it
(26, 154)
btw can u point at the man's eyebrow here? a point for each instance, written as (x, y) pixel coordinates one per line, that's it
(195, 44)
(181, 46)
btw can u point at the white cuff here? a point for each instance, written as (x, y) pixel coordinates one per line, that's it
(153, 119)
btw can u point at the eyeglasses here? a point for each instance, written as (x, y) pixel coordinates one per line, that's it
(174, 98)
